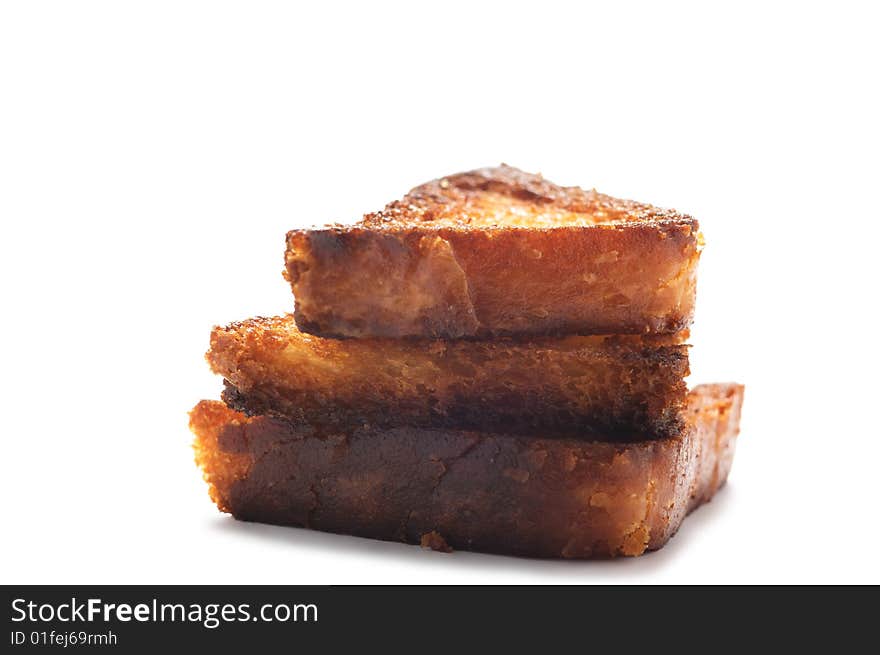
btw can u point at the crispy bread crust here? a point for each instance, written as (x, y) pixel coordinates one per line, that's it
(537, 496)
(497, 252)
(613, 385)
(482, 199)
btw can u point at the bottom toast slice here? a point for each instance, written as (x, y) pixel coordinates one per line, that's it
(535, 496)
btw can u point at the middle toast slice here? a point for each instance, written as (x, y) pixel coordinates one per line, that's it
(584, 384)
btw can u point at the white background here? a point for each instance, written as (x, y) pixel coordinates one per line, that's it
(153, 154)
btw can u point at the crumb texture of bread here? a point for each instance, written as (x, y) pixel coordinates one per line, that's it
(497, 251)
(612, 385)
(531, 496)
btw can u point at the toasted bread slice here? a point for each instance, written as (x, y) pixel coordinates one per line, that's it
(609, 384)
(497, 252)
(535, 496)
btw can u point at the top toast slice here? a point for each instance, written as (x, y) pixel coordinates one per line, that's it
(497, 251)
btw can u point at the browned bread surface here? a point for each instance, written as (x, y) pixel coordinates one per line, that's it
(535, 496)
(497, 251)
(606, 384)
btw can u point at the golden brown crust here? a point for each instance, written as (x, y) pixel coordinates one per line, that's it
(497, 252)
(532, 496)
(615, 385)
(506, 197)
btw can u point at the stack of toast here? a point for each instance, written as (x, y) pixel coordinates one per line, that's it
(491, 363)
